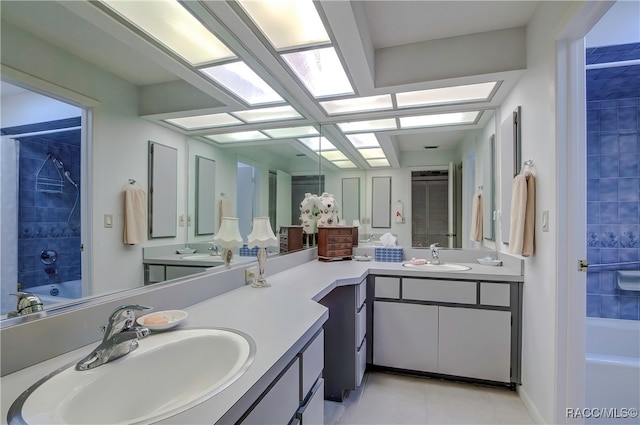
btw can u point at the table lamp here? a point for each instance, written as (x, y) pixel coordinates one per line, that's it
(261, 236)
(228, 238)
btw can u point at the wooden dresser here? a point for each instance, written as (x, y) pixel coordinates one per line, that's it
(290, 238)
(336, 242)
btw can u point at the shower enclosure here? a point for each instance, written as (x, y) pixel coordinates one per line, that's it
(47, 165)
(613, 228)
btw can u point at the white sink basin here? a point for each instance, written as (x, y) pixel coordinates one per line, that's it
(202, 257)
(443, 267)
(169, 372)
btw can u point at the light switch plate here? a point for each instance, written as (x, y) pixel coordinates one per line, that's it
(108, 221)
(545, 220)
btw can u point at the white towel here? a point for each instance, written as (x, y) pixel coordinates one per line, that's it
(476, 218)
(135, 215)
(521, 229)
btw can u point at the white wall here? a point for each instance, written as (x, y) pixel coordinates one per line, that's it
(621, 25)
(28, 108)
(536, 93)
(119, 149)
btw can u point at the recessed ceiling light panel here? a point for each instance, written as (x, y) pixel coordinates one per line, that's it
(275, 113)
(316, 143)
(173, 26)
(446, 95)
(320, 70)
(357, 104)
(284, 133)
(378, 162)
(363, 140)
(203, 121)
(240, 136)
(436, 120)
(333, 155)
(372, 153)
(366, 126)
(344, 164)
(238, 78)
(287, 23)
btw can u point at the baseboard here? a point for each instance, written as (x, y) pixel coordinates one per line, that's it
(531, 408)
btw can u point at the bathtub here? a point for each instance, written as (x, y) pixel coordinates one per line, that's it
(612, 374)
(66, 292)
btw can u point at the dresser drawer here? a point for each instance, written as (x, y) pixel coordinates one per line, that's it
(311, 364)
(439, 291)
(497, 294)
(387, 287)
(361, 294)
(361, 363)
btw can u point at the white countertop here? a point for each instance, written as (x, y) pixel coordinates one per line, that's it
(277, 318)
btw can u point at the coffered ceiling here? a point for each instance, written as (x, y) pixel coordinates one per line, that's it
(387, 49)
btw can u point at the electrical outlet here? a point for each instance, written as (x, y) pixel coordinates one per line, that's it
(250, 274)
(181, 220)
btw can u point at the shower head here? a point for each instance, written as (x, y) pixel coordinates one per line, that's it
(67, 174)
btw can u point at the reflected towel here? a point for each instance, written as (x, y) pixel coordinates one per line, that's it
(135, 216)
(523, 207)
(224, 209)
(476, 218)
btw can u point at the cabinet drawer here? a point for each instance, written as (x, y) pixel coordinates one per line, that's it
(387, 287)
(440, 291)
(361, 326)
(495, 294)
(311, 364)
(361, 363)
(361, 294)
(312, 413)
(340, 239)
(280, 404)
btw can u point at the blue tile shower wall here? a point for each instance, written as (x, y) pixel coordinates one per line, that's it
(613, 185)
(44, 218)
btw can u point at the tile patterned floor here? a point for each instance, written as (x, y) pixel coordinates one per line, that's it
(391, 399)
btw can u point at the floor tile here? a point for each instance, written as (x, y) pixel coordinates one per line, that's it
(393, 399)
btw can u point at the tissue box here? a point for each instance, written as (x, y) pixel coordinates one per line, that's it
(389, 254)
(245, 251)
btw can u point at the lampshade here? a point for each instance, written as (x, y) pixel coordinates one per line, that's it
(261, 235)
(229, 234)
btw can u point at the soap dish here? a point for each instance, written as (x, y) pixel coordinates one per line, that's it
(186, 251)
(489, 261)
(154, 321)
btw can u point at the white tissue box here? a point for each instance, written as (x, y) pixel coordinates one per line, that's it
(390, 254)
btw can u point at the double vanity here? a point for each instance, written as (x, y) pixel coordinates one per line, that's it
(314, 332)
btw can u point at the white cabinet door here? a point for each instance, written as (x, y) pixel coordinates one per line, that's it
(280, 404)
(405, 336)
(475, 343)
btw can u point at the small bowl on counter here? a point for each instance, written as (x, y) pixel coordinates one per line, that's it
(489, 261)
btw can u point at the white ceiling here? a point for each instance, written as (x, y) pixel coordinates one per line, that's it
(394, 23)
(367, 33)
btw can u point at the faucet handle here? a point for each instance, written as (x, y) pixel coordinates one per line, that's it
(122, 318)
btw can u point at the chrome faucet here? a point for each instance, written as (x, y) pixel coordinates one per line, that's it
(27, 303)
(434, 254)
(120, 338)
(213, 249)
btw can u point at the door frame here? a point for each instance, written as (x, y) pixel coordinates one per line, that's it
(571, 201)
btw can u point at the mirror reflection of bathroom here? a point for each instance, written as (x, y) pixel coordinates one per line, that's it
(40, 169)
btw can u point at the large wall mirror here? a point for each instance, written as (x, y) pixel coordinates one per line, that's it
(163, 190)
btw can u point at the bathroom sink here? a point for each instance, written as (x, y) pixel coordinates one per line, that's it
(169, 372)
(443, 267)
(202, 257)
